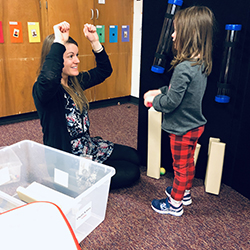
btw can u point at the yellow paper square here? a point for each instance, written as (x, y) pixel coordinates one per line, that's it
(34, 32)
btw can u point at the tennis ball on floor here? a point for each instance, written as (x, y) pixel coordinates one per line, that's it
(162, 171)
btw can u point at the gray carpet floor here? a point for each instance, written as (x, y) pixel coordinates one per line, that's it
(211, 222)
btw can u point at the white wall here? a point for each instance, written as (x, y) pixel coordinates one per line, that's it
(136, 52)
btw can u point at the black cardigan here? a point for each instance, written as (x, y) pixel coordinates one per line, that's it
(48, 94)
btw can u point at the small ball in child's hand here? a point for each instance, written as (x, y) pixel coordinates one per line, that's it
(162, 171)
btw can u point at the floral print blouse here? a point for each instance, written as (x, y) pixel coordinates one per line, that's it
(82, 144)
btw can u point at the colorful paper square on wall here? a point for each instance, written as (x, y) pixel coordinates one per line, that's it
(16, 34)
(34, 32)
(100, 29)
(1, 33)
(113, 33)
(125, 33)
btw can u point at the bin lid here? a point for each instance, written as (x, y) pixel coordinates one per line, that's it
(233, 27)
(37, 225)
(176, 2)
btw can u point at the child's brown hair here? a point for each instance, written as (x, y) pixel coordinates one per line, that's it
(194, 35)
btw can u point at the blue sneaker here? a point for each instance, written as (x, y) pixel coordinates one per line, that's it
(186, 199)
(163, 206)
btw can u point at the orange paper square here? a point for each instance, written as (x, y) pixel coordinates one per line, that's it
(16, 35)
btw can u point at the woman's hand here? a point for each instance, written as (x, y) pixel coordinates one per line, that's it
(90, 33)
(61, 32)
(149, 97)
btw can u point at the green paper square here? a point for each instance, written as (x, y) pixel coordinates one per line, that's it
(100, 29)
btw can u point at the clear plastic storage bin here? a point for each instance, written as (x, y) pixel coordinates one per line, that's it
(34, 172)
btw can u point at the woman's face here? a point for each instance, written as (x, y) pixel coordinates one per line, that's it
(71, 60)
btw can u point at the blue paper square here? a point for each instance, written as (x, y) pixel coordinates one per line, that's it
(113, 34)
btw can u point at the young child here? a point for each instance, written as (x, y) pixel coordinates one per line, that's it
(181, 101)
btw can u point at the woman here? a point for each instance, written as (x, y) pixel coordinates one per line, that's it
(63, 108)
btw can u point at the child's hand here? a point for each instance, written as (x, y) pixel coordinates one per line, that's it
(149, 97)
(61, 32)
(148, 101)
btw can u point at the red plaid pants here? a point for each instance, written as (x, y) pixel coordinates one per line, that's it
(182, 149)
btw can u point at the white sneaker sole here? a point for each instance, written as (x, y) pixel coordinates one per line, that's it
(168, 212)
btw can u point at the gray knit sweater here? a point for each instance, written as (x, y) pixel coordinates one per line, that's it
(181, 101)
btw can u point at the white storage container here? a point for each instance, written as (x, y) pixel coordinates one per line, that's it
(79, 186)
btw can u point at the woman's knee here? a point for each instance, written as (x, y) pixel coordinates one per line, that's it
(126, 174)
(123, 152)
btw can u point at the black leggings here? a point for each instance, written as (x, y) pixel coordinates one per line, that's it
(126, 162)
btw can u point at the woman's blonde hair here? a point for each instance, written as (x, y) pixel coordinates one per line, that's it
(194, 35)
(74, 89)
